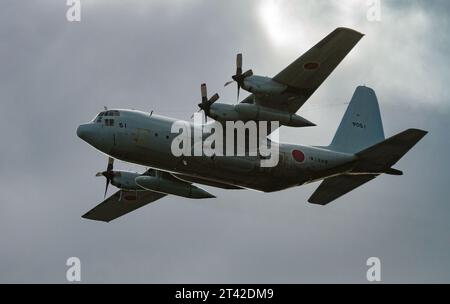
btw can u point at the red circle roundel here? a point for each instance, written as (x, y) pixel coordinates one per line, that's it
(298, 156)
(311, 66)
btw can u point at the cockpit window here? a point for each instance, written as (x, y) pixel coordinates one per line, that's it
(109, 122)
(98, 118)
(112, 113)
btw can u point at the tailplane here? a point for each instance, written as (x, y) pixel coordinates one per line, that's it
(370, 163)
(382, 156)
(361, 133)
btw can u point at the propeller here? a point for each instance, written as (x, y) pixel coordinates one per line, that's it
(109, 173)
(239, 76)
(206, 103)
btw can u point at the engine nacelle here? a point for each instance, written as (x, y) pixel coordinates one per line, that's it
(246, 112)
(125, 180)
(263, 85)
(257, 113)
(223, 112)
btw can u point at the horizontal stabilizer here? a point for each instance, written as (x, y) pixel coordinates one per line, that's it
(392, 171)
(371, 163)
(382, 156)
(335, 187)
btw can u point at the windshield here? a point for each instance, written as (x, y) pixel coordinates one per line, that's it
(98, 118)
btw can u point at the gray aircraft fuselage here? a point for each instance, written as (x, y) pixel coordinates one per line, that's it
(146, 139)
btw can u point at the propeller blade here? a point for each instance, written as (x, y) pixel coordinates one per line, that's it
(228, 82)
(213, 99)
(110, 166)
(108, 173)
(206, 103)
(247, 74)
(106, 188)
(239, 77)
(239, 64)
(204, 92)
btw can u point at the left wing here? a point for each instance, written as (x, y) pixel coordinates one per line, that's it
(304, 76)
(119, 204)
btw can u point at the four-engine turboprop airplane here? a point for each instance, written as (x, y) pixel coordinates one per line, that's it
(357, 154)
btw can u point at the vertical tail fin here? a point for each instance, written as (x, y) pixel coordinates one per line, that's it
(361, 126)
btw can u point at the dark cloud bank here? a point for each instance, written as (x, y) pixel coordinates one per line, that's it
(55, 75)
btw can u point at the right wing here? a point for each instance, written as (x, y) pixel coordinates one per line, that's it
(119, 204)
(335, 187)
(304, 76)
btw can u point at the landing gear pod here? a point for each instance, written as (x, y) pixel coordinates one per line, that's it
(171, 186)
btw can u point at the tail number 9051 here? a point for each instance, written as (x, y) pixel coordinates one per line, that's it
(358, 125)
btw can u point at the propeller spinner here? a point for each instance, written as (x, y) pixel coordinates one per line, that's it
(109, 173)
(239, 76)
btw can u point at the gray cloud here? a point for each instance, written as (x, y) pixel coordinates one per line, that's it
(56, 75)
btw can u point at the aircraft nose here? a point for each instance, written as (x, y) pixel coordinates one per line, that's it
(92, 134)
(82, 131)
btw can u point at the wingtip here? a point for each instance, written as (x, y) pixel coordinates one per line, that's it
(425, 132)
(392, 171)
(314, 202)
(87, 217)
(420, 132)
(347, 29)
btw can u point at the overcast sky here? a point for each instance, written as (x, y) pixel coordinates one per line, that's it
(153, 55)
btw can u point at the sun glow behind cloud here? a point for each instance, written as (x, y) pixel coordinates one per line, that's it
(277, 24)
(389, 58)
(288, 24)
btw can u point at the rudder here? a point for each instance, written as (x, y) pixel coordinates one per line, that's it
(361, 126)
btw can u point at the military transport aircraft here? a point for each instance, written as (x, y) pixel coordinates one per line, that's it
(357, 154)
